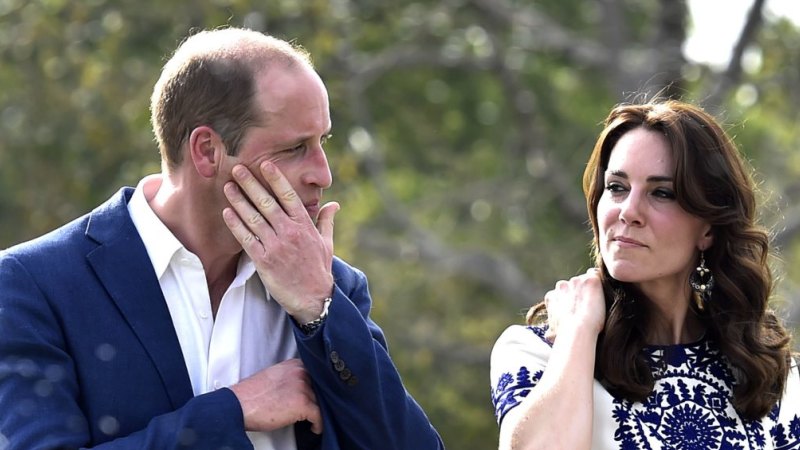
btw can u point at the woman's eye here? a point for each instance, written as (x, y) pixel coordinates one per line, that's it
(664, 193)
(614, 187)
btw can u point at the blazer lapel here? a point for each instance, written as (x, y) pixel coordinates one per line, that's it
(123, 266)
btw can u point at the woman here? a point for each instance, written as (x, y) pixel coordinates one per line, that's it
(669, 342)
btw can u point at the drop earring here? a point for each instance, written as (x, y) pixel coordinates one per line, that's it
(702, 281)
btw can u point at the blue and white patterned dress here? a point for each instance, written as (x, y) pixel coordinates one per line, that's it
(689, 409)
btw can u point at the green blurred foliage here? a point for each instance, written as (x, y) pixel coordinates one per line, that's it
(461, 129)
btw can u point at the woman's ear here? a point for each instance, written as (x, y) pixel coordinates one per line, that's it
(707, 239)
(206, 150)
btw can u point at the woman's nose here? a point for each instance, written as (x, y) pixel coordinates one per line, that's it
(631, 210)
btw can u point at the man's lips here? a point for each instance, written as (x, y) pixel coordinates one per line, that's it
(312, 208)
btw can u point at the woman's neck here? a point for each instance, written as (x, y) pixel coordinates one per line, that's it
(681, 326)
(671, 319)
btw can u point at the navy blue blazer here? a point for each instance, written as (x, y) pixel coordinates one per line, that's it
(89, 357)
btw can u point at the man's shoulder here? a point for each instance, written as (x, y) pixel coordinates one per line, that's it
(50, 241)
(54, 244)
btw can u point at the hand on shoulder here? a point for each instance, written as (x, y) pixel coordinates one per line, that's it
(577, 304)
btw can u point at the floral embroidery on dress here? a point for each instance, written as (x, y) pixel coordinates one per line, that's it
(786, 438)
(511, 389)
(689, 409)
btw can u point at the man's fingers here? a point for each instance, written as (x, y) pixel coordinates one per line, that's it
(240, 231)
(259, 196)
(283, 190)
(316, 421)
(245, 222)
(325, 220)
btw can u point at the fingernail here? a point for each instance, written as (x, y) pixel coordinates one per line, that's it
(238, 171)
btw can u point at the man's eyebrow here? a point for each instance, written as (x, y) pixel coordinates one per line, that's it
(306, 137)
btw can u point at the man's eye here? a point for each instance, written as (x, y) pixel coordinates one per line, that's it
(296, 148)
(325, 138)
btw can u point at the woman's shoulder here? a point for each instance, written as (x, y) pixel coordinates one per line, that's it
(522, 335)
(520, 345)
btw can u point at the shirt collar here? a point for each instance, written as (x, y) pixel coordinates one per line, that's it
(160, 243)
(244, 270)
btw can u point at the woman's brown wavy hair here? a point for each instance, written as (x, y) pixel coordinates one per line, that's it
(713, 182)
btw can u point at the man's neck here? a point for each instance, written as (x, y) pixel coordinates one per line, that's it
(185, 211)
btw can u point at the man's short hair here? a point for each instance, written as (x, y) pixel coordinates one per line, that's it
(210, 80)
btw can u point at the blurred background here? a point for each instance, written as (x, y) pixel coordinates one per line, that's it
(461, 129)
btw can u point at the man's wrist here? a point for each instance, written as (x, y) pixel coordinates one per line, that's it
(312, 326)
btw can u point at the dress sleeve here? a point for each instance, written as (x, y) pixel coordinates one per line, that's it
(786, 430)
(518, 360)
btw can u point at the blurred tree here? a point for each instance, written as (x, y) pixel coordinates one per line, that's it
(461, 131)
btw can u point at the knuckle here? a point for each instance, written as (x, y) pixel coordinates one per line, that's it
(255, 219)
(249, 182)
(266, 202)
(290, 195)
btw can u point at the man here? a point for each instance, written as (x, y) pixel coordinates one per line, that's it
(205, 309)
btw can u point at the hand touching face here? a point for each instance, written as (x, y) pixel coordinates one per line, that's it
(293, 257)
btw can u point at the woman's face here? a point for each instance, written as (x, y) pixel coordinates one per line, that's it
(646, 238)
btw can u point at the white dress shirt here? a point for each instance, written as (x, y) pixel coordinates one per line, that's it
(251, 331)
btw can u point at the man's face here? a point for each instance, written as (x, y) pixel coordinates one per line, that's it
(294, 104)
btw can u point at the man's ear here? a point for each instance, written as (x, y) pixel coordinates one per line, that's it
(206, 150)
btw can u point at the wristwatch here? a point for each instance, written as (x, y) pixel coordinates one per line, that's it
(310, 327)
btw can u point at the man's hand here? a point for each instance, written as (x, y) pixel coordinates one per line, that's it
(277, 397)
(292, 255)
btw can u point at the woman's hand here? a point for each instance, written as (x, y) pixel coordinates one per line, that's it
(576, 303)
(558, 412)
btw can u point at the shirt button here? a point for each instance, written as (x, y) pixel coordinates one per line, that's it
(203, 314)
(217, 384)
